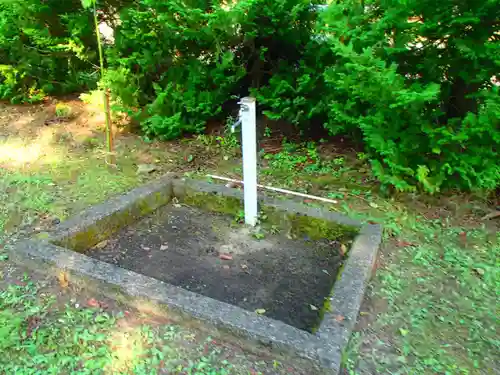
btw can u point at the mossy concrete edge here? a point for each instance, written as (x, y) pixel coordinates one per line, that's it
(349, 290)
(117, 282)
(99, 222)
(183, 187)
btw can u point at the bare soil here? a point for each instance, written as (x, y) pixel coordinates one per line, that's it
(207, 254)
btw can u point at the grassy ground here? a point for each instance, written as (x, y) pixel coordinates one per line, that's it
(50, 328)
(432, 305)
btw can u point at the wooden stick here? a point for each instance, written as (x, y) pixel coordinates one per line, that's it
(109, 127)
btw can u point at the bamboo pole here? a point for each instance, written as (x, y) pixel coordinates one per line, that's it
(110, 159)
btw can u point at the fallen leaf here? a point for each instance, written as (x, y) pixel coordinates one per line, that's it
(339, 318)
(101, 244)
(463, 238)
(145, 168)
(401, 243)
(225, 256)
(260, 311)
(244, 267)
(189, 337)
(63, 279)
(343, 249)
(33, 323)
(92, 302)
(479, 271)
(313, 308)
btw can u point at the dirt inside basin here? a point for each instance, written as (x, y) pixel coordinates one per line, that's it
(207, 253)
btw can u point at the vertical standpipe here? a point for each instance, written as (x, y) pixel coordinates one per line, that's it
(249, 140)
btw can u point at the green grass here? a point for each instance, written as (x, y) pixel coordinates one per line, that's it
(38, 337)
(62, 188)
(441, 298)
(23, 196)
(28, 196)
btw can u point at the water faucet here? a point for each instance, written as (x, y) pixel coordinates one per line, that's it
(243, 108)
(235, 125)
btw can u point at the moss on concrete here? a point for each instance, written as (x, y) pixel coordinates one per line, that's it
(326, 308)
(296, 225)
(214, 202)
(317, 229)
(103, 228)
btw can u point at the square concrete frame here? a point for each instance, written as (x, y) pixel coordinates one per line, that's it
(322, 350)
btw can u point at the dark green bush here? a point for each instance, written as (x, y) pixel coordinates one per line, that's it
(413, 80)
(186, 59)
(45, 48)
(178, 73)
(409, 80)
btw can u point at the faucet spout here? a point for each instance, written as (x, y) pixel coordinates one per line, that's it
(235, 125)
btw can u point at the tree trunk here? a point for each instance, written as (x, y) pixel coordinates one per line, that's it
(459, 104)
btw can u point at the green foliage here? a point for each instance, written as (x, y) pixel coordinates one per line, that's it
(174, 67)
(410, 81)
(43, 49)
(422, 98)
(184, 60)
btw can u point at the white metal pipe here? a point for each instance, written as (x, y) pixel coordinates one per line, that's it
(248, 118)
(278, 190)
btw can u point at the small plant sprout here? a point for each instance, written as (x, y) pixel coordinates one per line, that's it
(239, 218)
(63, 111)
(338, 161)
(259, 235)
(262, 217)
(274, 229)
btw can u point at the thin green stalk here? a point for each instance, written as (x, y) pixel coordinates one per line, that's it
(109, 141)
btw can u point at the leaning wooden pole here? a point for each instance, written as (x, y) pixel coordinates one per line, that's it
(107, 111)
(109, 128)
